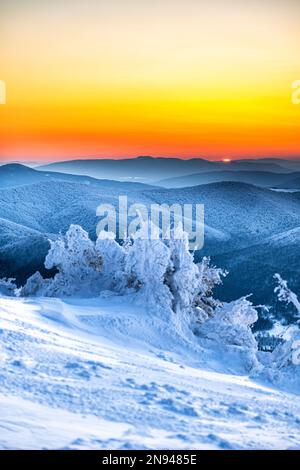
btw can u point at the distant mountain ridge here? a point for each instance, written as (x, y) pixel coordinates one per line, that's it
(154, 172)
(15, 174)
(152, 169)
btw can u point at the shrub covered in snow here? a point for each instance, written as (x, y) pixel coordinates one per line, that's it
(282, 365)
(113, 257)
(285, 294)
(267, 341)
(284, 354)
(163, 275)
(146, 264)
(7, 287)
(288, 352)
(162, 271)
(230, 328)
(77, 261)
(232, 322)
(36, 285)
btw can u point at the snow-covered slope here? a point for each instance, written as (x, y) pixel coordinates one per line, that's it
(103, 373)
(15, 174)
(258, 178)
(22, 249)
(246, 213)
(293, 183)
(238, 209)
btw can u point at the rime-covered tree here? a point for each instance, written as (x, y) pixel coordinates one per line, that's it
(162, 276)
(161, 273)
(191, 284)
(78, 263)
(7, 287)
(113, 257)
(288, 351)
(229, 328)
(285, 294)
(146, 264)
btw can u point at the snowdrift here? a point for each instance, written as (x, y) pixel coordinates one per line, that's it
(105, 373)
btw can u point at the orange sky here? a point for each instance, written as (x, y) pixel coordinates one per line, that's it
(164, 78)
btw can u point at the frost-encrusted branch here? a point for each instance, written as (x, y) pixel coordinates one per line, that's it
(285, 294)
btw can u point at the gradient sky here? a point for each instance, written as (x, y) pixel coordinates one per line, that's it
(149, 77)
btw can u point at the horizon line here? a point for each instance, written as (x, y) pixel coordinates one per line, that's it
(227, 158)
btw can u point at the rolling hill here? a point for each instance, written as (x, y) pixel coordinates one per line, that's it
(291, 183)
(259, 178)
(15, 174)
(147, 169)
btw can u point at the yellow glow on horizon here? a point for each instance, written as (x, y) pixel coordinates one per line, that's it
(123, 78)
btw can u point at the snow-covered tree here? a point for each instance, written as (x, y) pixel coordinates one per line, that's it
(182, 276)
(113, 257)
(74, 253)
(267, 341)
(146, 264)
(161, 273)
(230, 329)
(191, 284)
(287, 353)
(78, 263)
(232, 323)
(7, 287)
(210, 277)
(164, 272)
(36, 285)
(285, 294)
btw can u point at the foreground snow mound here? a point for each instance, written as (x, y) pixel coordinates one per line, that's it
(229, 331)
(282, 366)
(104, 374)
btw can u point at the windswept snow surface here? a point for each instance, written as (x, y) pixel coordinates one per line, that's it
(105, 374)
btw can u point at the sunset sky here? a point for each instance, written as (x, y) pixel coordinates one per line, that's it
(122, 78)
